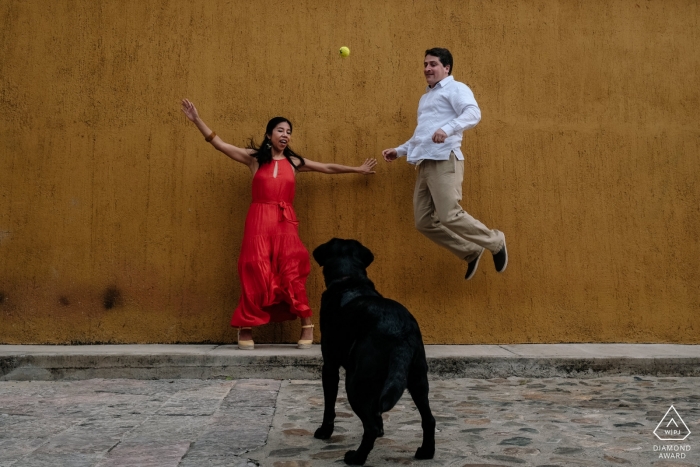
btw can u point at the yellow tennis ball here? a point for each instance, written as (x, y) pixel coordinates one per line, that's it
(344, 51)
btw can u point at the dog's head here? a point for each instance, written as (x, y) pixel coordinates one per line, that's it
(341, 258)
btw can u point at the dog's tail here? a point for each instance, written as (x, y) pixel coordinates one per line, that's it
(395, 382)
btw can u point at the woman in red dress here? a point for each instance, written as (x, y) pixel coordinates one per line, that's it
(274, 264)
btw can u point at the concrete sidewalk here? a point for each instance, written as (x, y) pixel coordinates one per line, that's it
(50, 362)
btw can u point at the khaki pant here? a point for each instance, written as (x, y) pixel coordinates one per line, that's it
(439, 216)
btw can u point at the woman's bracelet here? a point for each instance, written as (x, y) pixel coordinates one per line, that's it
(209, 138)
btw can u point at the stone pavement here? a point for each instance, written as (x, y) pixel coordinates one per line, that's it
(599, 421)
(120, 423)
(500, 422)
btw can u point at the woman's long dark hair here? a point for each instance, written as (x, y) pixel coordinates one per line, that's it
(263, 153)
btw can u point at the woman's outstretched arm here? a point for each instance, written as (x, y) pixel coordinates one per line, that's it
(244, 156)
(366, 168)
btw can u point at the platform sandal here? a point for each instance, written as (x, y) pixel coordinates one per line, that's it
(305, 343)
(245, 345)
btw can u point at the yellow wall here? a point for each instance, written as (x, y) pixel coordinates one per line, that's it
(118, 223)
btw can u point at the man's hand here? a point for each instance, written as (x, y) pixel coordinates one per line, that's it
(390, 155)
(439, 136)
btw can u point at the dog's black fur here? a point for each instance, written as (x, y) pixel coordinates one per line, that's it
(376, 340)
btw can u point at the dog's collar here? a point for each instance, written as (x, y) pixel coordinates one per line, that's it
(337, 281)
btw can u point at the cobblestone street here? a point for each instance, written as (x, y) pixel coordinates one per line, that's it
(495, 422)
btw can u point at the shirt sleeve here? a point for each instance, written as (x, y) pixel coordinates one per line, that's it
(466, 108)
(402, 150)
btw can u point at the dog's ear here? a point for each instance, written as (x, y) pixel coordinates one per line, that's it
(363, 253)
(321, 254)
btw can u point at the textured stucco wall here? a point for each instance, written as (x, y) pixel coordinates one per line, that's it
(119, 224)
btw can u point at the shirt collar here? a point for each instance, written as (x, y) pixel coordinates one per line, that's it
(442, 83)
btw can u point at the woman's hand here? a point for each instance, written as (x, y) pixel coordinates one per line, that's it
(189, 110)
(366, 168)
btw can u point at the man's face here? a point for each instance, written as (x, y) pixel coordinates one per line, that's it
(434, 70)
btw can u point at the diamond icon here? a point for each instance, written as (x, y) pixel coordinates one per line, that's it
(672, 427)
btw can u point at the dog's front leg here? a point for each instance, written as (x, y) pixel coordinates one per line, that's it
(330, 376)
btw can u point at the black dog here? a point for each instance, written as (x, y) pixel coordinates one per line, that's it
(376, 340)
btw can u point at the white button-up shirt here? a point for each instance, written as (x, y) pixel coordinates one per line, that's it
(450, 106)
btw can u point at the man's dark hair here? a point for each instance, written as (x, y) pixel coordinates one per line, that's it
(443, 55)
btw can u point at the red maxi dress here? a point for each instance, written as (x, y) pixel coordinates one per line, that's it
(274, 264)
